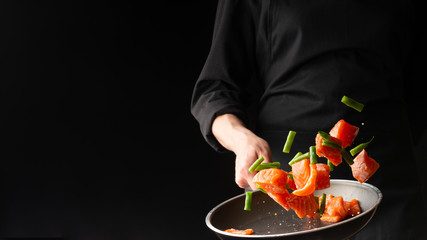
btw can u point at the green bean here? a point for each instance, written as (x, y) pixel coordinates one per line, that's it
(248, 201)
(289, 141)
(322, 204)
(346, 156)
(313, 156)
(291, 176)
(299, 158)
(360, 147)
(331, 166)
(267, 165)
(331, 144)
(324, 135)
(297, 155)
(256, 164)
(352, 103)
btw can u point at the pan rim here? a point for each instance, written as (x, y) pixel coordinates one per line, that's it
(371, 211)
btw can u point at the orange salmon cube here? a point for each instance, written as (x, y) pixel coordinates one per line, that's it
(303, 206)
(301, 172)
(363, 167)
(280, 198)
(352, 207)
(322, 180)
(272, 180)
(345, 132)
(240, 232)
(310, 185)
(335, 209)
(332, 154)
(291, 183)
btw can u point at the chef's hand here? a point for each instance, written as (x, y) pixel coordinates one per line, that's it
(248, 147)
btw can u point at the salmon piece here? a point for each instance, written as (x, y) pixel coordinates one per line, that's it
(345, 132)
(271, 180)
(310, 185)
(352, 207)
(240, 232)
(329, 218)
(301, 172)
(280, 198)
(322, 180)
(291, 182)
(335, 209)
(303, 205)
(332, 154)
(363, 167)
(328, 198)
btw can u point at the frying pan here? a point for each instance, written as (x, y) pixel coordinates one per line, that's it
(271, 221)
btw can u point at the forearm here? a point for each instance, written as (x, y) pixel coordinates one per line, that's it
(230, 132)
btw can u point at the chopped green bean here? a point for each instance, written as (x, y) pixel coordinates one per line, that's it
(331, 144)
(346, 156)
(324, 135)
(256, 164)
(248, 201)
(322, 204)
(299, 158)
(291, 176)
(313, 156)
(360, 147)
(352, 103)
(267, 165)
(289, 141)
(297, 155)
(331, 166)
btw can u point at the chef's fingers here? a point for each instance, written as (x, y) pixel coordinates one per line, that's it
(266, 154)
(255, 148)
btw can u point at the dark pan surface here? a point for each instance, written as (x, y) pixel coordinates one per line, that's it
(270, 221)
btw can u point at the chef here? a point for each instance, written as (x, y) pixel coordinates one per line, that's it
(276, 66)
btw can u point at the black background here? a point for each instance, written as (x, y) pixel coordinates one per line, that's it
(97, 139)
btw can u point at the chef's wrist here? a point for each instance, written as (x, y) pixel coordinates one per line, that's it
(230, 131)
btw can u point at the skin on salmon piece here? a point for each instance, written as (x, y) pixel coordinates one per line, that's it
(322, 181)
(332, 154)
(345, 132)
(364, 167)
(272, 180)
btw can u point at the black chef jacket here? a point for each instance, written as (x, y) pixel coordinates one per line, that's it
(284, 65)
